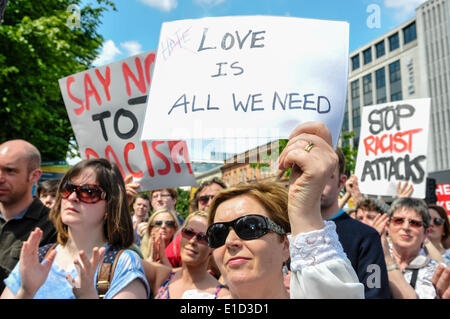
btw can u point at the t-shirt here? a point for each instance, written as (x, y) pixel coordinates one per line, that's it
(128, 268)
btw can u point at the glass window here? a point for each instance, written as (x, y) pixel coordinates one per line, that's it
(367, 54)
(380, 49)
(380, 84)
(393, 42)
(409, 33)
(355, 62)
(367, 89)
(395, 80)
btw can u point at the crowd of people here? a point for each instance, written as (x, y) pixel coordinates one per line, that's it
(93, 234)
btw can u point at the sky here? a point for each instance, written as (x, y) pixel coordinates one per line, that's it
(135, 26)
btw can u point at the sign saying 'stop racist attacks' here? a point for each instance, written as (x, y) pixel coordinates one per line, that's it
(106, 108)
(240, 77)
(393, 147)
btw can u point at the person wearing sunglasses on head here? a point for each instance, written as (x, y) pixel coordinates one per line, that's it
(438, 234)
(410, 270)
(92, 218)
(192, 280)
(249, 226)
(162, 226)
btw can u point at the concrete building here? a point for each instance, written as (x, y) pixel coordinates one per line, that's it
(410, 61)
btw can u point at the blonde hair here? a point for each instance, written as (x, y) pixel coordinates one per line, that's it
(147, 241)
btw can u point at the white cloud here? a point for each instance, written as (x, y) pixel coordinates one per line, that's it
(405, 8)
(132, 47)
(108, 54)
(163, 5)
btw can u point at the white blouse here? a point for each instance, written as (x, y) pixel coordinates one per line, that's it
(320, 268)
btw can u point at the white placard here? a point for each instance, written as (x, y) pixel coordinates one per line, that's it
(247, 77)
(393, 147)
(106, 107)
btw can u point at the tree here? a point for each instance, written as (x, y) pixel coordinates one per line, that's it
(183, 202)
(350, 153)
(39, 46)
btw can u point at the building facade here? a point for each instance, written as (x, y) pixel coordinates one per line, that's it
(411, 61)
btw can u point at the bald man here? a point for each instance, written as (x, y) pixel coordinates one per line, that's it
(20, 213)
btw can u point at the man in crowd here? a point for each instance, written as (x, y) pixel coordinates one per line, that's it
(141, 209)
(20, 213)
(360, 242)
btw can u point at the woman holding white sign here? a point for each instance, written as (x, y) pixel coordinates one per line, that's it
(249, 226)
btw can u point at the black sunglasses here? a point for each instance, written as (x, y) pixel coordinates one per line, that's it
(205, 199)
(247, 227)
(438, 221)
(168, 223)
(87, 193)
(189, 233)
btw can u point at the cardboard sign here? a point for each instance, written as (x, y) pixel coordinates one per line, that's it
(241, 77)
(106, 107)
(443, 196)
(393, 147)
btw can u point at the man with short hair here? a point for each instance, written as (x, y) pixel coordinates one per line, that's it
(367, 210)
(141, 209)
(20, 213)
(360, 242)
(205, 194)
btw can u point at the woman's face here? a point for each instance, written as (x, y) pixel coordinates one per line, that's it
(435, 232)
(75, 212)
(405, 235)
(247, 264)
(192, 250)
(161, 226)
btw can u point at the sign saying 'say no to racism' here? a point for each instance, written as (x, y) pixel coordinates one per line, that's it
(106, 107)
(393, 147)
(247, 77)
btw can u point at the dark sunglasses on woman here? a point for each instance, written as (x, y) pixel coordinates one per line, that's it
(168, 223)
(412, 222)
(247, 227)
(86, 193)
(189, 233)
(438, 221)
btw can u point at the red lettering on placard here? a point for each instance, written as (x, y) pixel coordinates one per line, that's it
(128, 147)
(105, 81)
(147, 64)
(89, 90)
(165, 170)
(180, 148)
(109, 150)
(90, 152)
(148, 161)
(393, 143)
(127, 74)
(79, 110)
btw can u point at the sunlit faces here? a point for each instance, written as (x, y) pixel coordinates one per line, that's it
(15, 179)
(206, 195)
(435, 231)
(141, 207)
(365, 216)
(161, 199)
(193, 250)
(248, 262)
(75, 212)
(408, 234)
(163, 225)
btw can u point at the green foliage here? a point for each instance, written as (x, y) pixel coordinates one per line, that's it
(183, 202)
(38, 48)
(350, 153)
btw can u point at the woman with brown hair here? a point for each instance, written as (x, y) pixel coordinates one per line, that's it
(92, 219)
(438, 234)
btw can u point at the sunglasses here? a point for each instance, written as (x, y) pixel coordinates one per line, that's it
(412, 222)
(189, 233)
(438, 221)
(87, 193)
(247, 227)
(205, 199)
(168, 223)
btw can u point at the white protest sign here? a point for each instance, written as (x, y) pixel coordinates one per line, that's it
(106, 108)
(393, 147)
(247, 77)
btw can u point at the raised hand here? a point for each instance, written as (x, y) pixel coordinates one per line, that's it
(441, 282)
(403, 190)
(311, 170)
(33, 274)
(84, 286)
(131, 188)
(380, 223)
